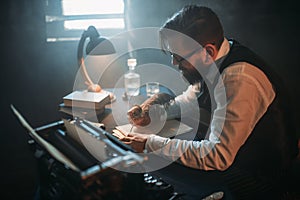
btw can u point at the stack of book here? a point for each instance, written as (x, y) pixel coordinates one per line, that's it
(84, 104)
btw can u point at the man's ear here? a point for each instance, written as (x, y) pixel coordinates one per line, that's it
(211, 50)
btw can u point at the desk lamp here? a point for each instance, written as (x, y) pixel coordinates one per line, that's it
(96, 46)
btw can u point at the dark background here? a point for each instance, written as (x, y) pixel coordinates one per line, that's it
(35, 74)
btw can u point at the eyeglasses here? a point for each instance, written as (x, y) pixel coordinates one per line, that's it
(179, 59)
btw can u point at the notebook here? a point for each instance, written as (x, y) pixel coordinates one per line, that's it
(170, 129)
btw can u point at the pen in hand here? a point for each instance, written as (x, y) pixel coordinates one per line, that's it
(131, 129)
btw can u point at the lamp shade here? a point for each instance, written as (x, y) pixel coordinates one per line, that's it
(98, 45)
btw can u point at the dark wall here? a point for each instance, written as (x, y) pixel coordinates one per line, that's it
(35, 74)
(34, 77)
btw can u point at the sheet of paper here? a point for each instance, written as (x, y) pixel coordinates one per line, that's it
(170, 129)
(94, 146)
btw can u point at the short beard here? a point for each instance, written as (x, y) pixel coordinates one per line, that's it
(192, 76)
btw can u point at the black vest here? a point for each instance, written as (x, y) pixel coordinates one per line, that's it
(272, 144)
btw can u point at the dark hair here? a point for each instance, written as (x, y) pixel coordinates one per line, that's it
(197, 22)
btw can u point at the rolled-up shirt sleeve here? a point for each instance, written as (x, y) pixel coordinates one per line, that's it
(248, 95)
(182, 103)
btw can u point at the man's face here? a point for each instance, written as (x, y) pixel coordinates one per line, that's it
(187, 69)
(189, 58)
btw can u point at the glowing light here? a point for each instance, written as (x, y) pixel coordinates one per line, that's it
(80, 14)
(98, 23)
(90, 7)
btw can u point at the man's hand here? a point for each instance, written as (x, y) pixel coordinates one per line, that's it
(136, 140)
(138, 115)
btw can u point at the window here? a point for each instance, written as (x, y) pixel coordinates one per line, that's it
(66, 19)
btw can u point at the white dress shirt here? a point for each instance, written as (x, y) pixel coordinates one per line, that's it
(248, 93)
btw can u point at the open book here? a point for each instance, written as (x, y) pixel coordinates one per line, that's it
(170, 129)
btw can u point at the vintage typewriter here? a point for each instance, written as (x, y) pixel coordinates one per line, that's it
(69, 170)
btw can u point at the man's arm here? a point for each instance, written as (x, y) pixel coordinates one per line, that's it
(249, 93)
(174, 106)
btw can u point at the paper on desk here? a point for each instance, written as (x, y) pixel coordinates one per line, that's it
(170, 129)
(94, 146)
(72, 130)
